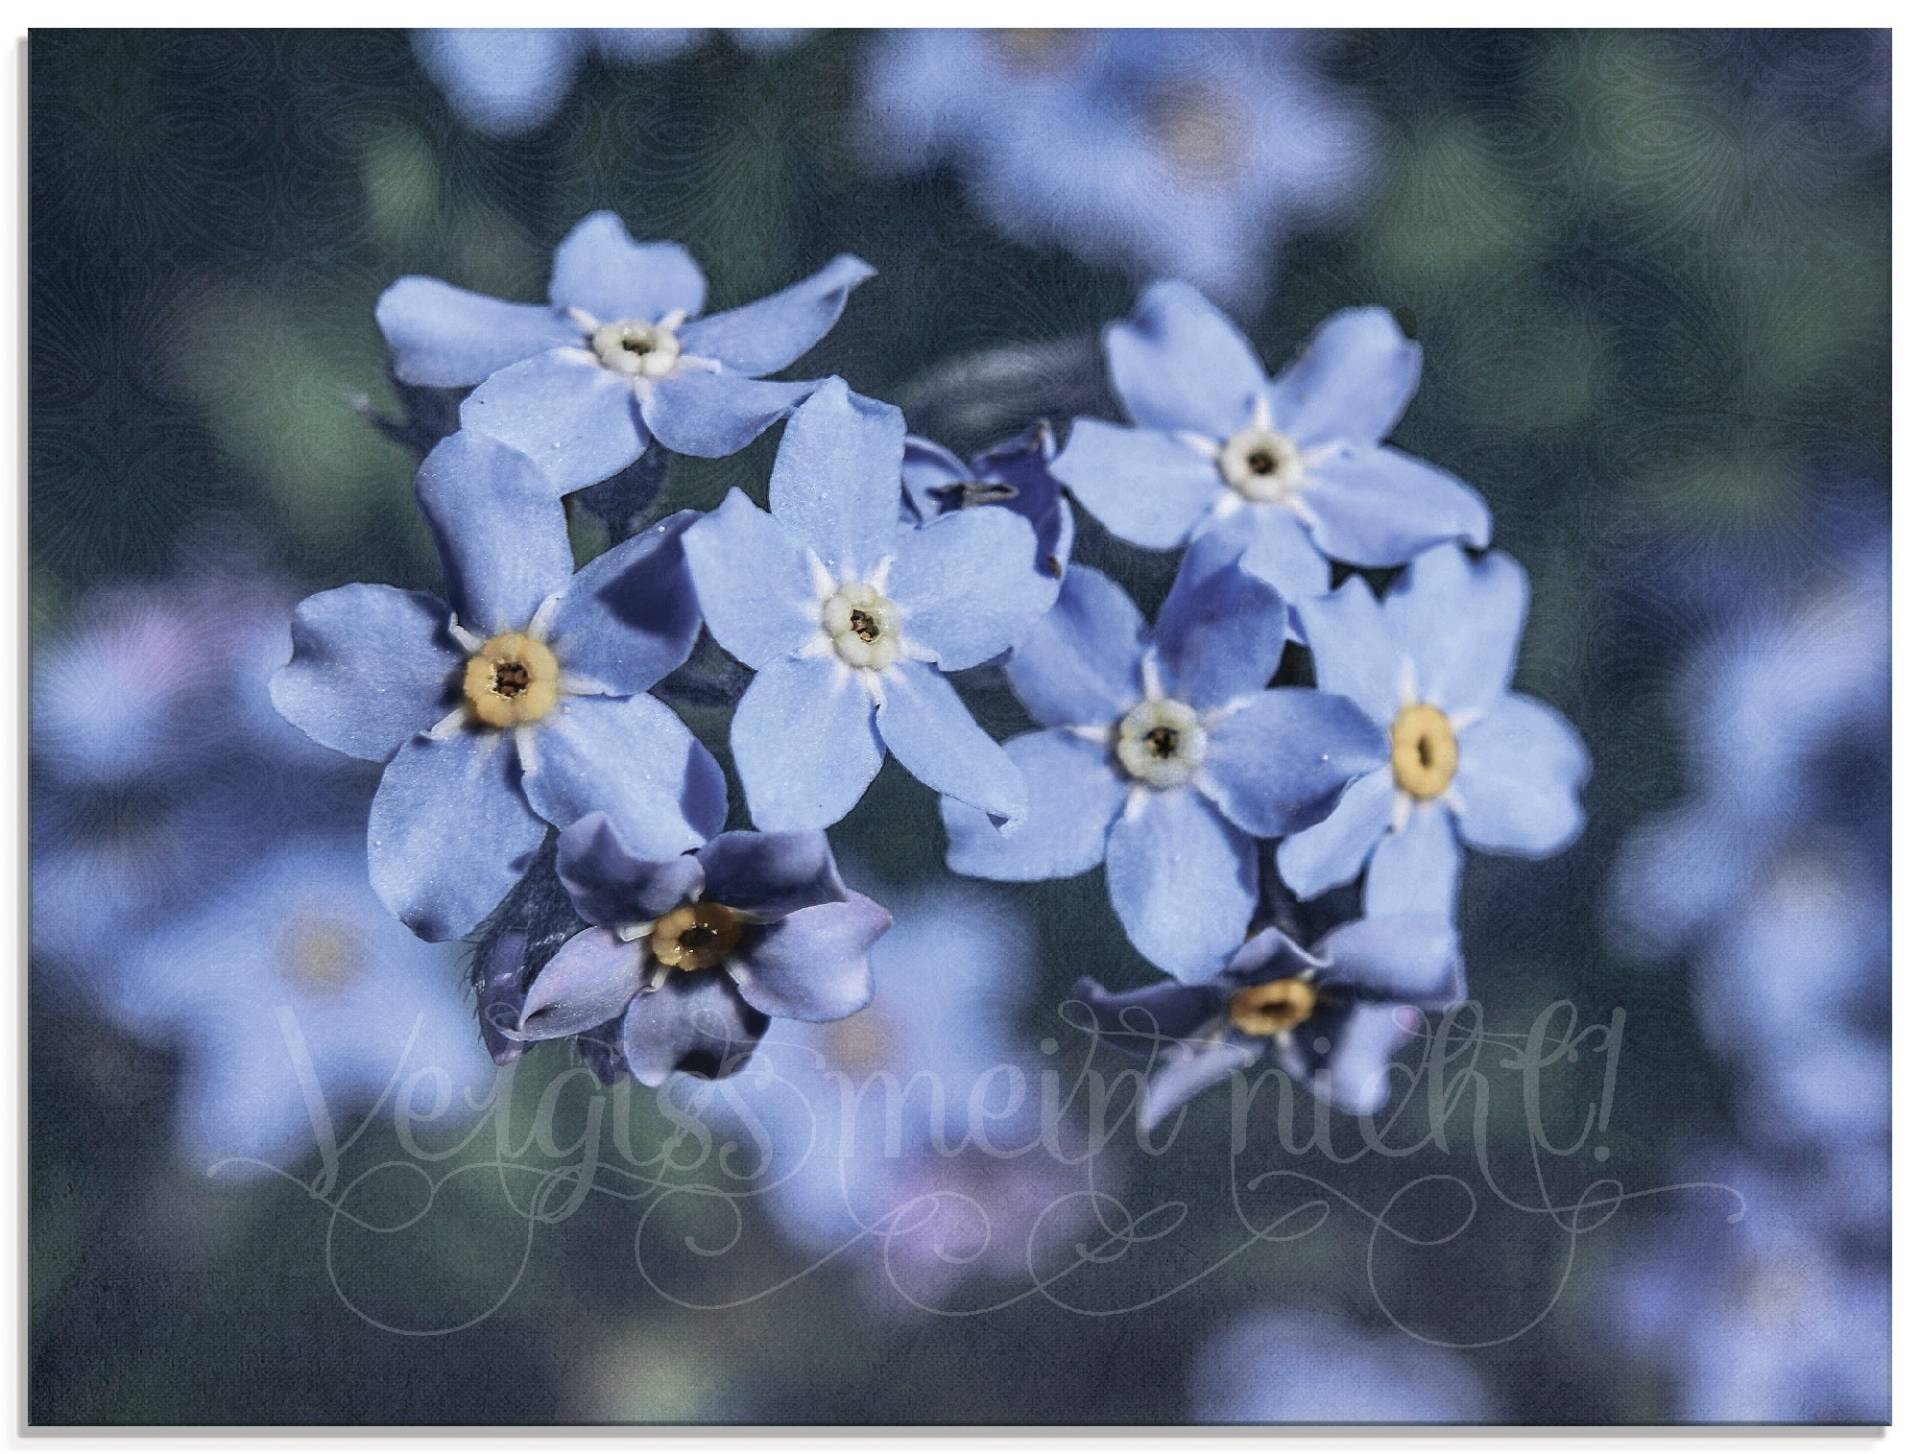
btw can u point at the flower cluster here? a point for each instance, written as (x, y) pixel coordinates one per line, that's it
(523, 744)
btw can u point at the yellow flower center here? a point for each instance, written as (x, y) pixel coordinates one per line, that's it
(1425, 751)
(512, 679)
(1267, 1009)
(321, 953)
(695, 936)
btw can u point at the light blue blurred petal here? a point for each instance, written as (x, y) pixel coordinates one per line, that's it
(1179, 363)
(371, 666)
(1182, 880)
(598, 267)
(1375, 506)
(1073, 795)
(1333, 852)
(1460, 623)
(1521, 769)
(1416, 870)
(1407, 959)
(1353, 654)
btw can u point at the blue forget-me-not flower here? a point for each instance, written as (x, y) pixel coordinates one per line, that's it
(521, 703)
(690, 957)
(1165, 755)
(1292, 467)
(1330, 1017)
(618, 356)
(849, 620)
(1432, 665)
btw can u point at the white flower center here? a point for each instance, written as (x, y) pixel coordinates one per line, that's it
(643, 350)
(1263, 464)
(863, 625)
(1161, 743)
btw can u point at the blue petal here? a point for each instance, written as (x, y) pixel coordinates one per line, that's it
(714, 415)
(926, 471)
(578, 422)
(1459, 621)
(600, 268)
(1352, 382)
(753, 583)
(1144, 1022)
(502, 533)
(502, 82)
(1145, 487)
(1416, 870)
(1353, 654)
(1279, 550)
(1073, 796)
(772, 873)
(804, 743)
(1268, 955)
(450, 832)
(1080, 664)
(1179, 363)
(1279, 763)
(1220, 631)
(371, 666)
(586, 984)
(632, 759)
(812, 965)
(1521, 769)
(1333, 852)
(764, 337)
(610, 885)
(1406, 959)
(1346, 1057)
(1182, 881)
(1375, 506)
(695, 1023)
(1184, 1074)
(926, 725)
(968, 585)
(445, 337)
(630, 617)
(836, 480)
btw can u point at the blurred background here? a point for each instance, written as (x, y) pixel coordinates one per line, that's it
(1651, 275)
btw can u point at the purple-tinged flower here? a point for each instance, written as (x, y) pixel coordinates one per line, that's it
(618, 357)
(522, 703)
(293, 1000)
(849, 620)
(1188, 154)
(1015, 475)
(1330, 1017)
(1762, 1312)
(1470, 759)
(1164, 755)
(506, 82)
(1253, 1372)
(1293, 468)
(689, 958)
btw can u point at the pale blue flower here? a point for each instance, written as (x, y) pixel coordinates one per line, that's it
(1292, 467)
(522, 703)
(850, 620)
(1188, 154)
(619, 355)
(296, 1004)
(1164, 755)
(1432, 664)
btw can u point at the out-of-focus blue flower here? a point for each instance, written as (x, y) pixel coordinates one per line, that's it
(1293, 468)
(689, 958)
(1256, 1372)
(1331, 1017)
(1016, 475)
(908, 1137)
(1189, 154)
(618, 356)
(1770, 1318)
(849, 620)
(1775, 874)
(523, 703)
(1431, 665)
(1162, 754)
(295, 1002)
(505, 82)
